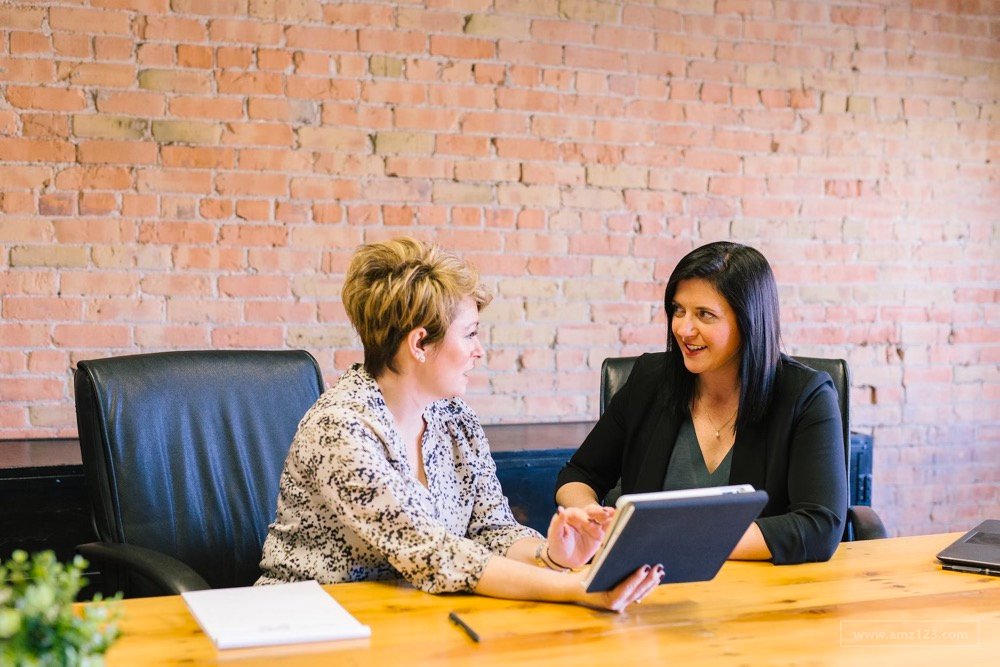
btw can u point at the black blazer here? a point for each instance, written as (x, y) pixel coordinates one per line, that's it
(796, 454)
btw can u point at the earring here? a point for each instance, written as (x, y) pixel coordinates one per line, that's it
(421, 357)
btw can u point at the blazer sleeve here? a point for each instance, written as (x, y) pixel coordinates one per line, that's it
(813, 524)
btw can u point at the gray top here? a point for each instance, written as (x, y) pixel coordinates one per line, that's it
(687, 469)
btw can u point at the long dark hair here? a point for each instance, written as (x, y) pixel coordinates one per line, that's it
(743, 277)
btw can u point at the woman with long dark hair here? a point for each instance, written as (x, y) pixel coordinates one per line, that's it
(724, 406)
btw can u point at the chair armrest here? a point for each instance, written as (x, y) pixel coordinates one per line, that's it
(167, 573)
(865, 523)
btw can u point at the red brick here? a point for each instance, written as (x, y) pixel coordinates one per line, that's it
(280, 60)
(420, 167)
(25, 335)
(275, 160)
(69, 45)
(320, 88)
(75, 336)
(107, 75)
(224, 259)
(283, 260)
(36, 309)
(243, 32)
(48, 99)
(260, 185)
(198, 157)
(254, 210)
(89, 21)
(172, 180)
(176, 285)
(57, 204)
(466, 146)
(108, 283)
(254, 235)
(249, 83)
(191, 311)
(858, 16)
(118, 49)
(164, 231)
(254, 286)
(269, 311)
(527, 100)
(175, 81)
(325, 188)
(247, 337)
(167, 337)
(155, 56)
(495, 123)
(216, 108)
(470, 97)
(97, 203)
(22, 43)
(444, 120)
(31, 389)
(391, 41)
(195, 56)
(448, 46)
(234, 57)
(131, 103)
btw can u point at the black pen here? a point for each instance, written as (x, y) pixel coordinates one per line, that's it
(457, 620)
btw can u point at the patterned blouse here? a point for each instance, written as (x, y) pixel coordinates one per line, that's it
(351, 509)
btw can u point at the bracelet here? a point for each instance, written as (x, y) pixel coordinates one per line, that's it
(547, 564)
(553, 560)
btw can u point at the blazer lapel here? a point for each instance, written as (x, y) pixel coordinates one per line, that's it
(749, 457)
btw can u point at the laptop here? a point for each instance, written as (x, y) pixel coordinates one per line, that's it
(978, 551)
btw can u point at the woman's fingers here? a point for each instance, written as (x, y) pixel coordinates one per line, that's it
(589, 522)
(640, 584)
(650, 583)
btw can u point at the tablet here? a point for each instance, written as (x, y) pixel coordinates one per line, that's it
(691, 532)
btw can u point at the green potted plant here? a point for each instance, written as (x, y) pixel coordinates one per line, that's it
(39, 626)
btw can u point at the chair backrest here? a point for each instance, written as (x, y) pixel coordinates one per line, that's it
(182, 451)
(615, 371)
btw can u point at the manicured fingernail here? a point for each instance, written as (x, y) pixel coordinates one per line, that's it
(645, 569)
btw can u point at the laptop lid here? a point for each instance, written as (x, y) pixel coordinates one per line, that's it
(980, 547)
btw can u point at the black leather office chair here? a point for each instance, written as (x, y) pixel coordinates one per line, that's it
(182, 452)
(862, 521)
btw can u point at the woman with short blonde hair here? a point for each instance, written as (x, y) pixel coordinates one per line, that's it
(390, 474)
(399, 285)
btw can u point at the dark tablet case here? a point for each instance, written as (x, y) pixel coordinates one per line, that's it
(691, 537)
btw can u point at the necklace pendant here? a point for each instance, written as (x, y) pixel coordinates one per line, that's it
(717, 435)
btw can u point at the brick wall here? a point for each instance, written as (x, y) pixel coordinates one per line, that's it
(196, 173)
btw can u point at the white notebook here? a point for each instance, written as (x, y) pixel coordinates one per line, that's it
(277, 614)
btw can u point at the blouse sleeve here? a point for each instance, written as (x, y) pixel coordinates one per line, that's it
(376, 502)
(492, 523)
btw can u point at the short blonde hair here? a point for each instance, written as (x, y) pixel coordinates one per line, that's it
(400, 285)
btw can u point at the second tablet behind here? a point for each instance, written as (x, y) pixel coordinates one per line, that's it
(690, 532)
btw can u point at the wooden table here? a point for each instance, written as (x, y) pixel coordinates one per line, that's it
(750, 614)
